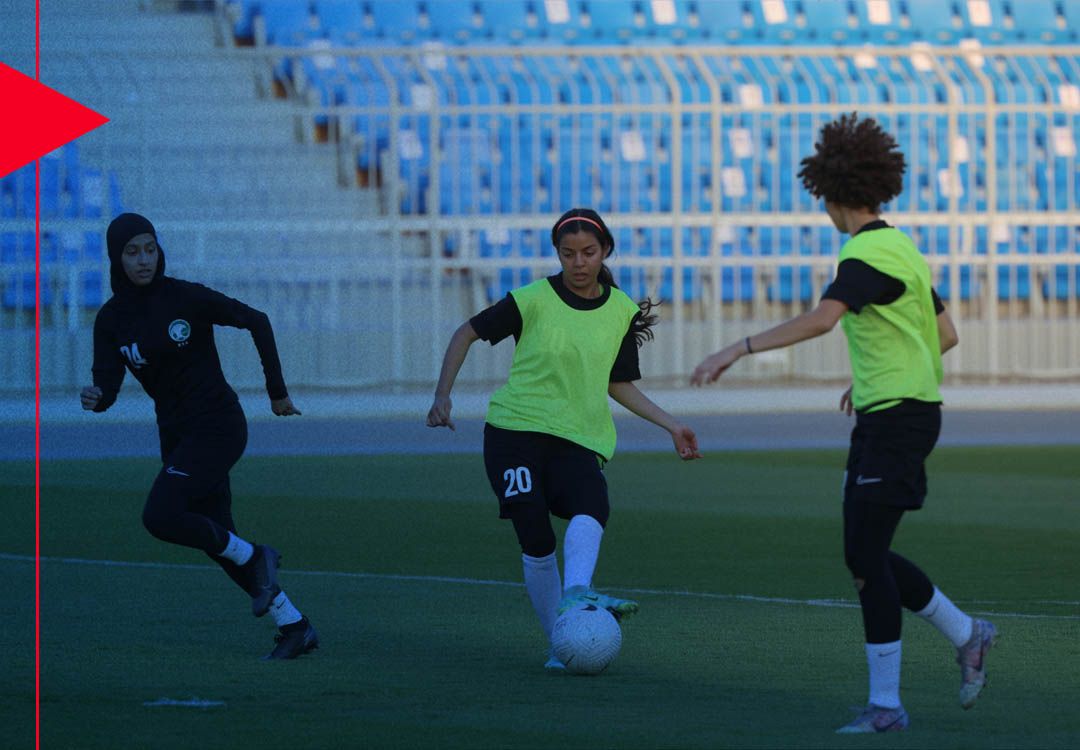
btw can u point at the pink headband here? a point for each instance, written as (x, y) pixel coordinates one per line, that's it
(577, 218)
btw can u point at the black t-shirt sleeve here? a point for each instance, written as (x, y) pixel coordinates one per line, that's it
(108, 368)
(226, 311)
(498, 321)
(627, 366)
(858, 284)
(939, 306)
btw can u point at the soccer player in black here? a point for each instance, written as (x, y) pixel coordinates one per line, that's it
(161, 329)
(897, 329)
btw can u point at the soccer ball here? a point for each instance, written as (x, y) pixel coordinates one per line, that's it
(586, 639)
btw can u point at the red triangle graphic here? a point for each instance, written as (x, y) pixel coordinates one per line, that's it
(36, 119)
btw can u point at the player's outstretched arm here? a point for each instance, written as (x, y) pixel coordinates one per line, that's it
(816, 322)
(628, 395)
(456, 350)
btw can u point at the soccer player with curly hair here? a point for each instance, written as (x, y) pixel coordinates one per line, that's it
(897, 329)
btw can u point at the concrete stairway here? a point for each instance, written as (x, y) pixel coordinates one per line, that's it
(191, 135)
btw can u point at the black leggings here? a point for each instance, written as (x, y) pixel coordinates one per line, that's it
(190, 502)
(889, 580)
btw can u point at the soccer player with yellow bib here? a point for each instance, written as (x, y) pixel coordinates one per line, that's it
(549, 429)
(897, 329)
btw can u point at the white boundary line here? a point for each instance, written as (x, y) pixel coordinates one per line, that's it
(829, 603)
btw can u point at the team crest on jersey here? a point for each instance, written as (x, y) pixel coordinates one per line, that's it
(179, 330)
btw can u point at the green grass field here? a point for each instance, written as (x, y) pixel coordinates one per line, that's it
(429, 641)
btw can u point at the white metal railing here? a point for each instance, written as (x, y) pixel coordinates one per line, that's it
(373, 301)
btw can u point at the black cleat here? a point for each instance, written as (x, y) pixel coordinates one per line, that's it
(264, 564)
(294, 640)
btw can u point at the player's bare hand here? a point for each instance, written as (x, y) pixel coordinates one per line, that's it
(685, 443)
(439, 414)
(283, 407)
(845, 402)
(89, 396)
(714, 365)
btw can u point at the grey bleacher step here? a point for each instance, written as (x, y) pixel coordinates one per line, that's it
(327, 200)
(284, 167)
(106, 27)
(213, 119)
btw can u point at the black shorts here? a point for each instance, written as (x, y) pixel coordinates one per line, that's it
(534, 467)
(886, 462)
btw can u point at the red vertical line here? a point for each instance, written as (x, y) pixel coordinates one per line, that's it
(37, 405)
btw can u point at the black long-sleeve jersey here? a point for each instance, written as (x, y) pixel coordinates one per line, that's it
(166, 339)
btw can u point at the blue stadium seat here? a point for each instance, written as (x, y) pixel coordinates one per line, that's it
(10, 249)
(723, 22)
(510, 244)
(453, 22)
(9, 191)
(90, 292)
(1014, 282)
(1064, 283)
(933, 22)
(342, 21)
(944, 284)
(466, 190)
(116, 194)
(736, 283)
(1042, 21)
(244, 27)
(618, 22)
(513, 22)
(92, 192)
(414, 153)
(18, 293)
(288, 22)
(27, 191)
(567, 28)
(392, 21)
(825, 21)
(50, 185)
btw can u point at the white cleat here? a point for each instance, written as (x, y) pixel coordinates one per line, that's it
(972, 660)
(875, 719)
(580, 595)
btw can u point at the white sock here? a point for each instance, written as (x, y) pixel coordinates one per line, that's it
(283, 611)
(948, 618)
(237, 550)
(580, 550)
(884, 662)
(545, 590)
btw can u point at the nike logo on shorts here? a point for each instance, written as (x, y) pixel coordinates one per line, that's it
(176, 471)
(861, 480)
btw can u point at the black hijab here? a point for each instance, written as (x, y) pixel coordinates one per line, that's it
(120, 232)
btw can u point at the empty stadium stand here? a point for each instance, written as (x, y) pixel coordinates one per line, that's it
(70, 189)
(643, 107)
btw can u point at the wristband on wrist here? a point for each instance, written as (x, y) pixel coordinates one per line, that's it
(747, 342)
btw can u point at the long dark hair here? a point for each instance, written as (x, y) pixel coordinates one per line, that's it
(590, 221)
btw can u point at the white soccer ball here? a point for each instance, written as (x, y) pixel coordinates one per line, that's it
(586, 639)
